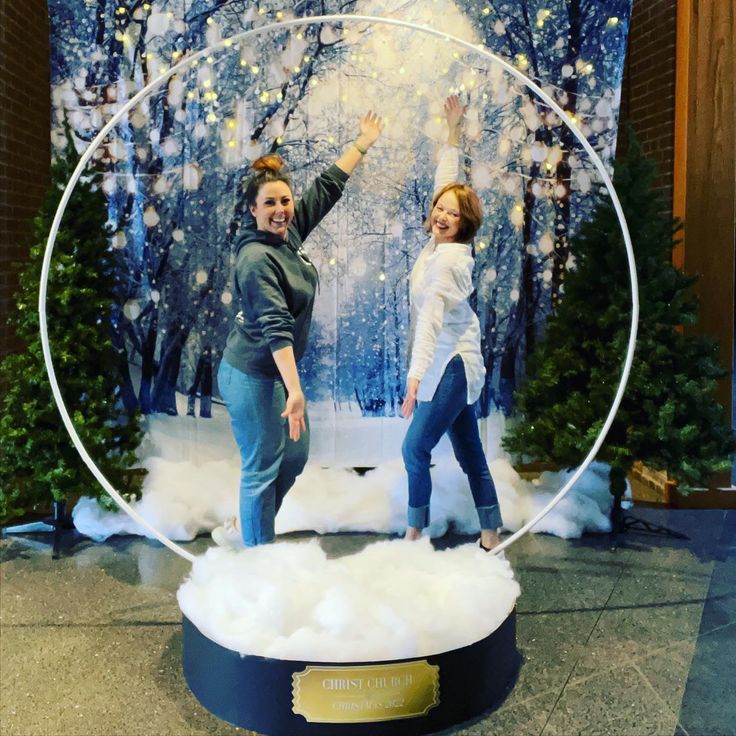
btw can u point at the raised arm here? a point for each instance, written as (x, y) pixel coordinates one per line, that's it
(371, 126)
(327, 188)
(448, 163)
(454, 112)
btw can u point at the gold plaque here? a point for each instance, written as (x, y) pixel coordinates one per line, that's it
(380, 692)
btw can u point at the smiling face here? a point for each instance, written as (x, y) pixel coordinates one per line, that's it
(274, 208)
(446, 218)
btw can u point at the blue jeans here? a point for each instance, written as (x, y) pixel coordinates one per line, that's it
(270, 461)
(448, 411)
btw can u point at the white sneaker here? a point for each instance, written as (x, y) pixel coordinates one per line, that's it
(228, 535)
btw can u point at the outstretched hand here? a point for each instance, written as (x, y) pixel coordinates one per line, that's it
(371, 126)
(454, 112)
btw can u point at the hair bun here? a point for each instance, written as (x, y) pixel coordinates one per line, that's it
(271, 162)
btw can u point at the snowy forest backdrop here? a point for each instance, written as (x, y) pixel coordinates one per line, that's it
(173, 172)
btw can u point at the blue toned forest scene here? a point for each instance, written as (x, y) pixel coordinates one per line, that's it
(173, 167)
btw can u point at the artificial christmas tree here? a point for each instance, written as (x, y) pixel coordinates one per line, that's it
(38, 463)
(668, 418)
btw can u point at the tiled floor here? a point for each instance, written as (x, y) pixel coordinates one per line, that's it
(637, 642)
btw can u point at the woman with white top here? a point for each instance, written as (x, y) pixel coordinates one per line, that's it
(446, 371)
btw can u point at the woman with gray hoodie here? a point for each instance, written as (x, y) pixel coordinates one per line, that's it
(275, 285)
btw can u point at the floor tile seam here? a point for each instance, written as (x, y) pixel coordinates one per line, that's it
(629, 662)
(622, 567)
(675, 715)
(90, 625)
(715, 630)
(529, 698)
(619, 607)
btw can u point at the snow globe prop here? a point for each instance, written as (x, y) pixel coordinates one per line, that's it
(321, 678)
(394, 639)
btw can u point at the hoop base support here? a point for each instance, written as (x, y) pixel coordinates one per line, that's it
(405, 697)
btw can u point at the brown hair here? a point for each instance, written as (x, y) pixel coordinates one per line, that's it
(471, 213)
(267, 168)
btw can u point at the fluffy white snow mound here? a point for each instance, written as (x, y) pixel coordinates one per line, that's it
(194, 467)
(392, 600)
(183, 499)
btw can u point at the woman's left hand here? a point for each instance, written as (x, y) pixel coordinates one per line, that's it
(371, 126)
(410, 400)
(294, 412)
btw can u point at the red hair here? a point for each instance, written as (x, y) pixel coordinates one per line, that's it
(471, 212)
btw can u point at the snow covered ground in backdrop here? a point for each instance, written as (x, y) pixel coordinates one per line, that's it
(193, 476)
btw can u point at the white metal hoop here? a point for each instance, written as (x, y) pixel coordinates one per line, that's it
(374, 20)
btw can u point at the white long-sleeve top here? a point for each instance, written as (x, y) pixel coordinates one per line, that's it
(443, 324)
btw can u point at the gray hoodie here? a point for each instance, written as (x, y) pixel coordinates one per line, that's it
(275, 283)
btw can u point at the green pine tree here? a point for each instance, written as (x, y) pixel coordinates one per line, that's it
(38, 462)
(668, 418)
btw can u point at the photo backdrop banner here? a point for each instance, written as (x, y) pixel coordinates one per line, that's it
(172, 174)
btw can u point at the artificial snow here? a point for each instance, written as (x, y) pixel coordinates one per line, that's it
(193, 478)
(393, 600)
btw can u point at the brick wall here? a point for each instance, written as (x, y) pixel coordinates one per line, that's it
(24, 139)
(648, 91)
(648, 104)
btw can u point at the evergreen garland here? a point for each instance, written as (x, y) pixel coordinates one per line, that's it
(38, 461)
(668, 418)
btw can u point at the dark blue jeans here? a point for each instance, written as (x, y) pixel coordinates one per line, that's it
(270, 461)
(449, 412)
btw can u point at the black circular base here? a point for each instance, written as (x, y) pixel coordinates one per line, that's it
(403, 697)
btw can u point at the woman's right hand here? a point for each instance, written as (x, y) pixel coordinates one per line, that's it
(294, 412)
(454, 112)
